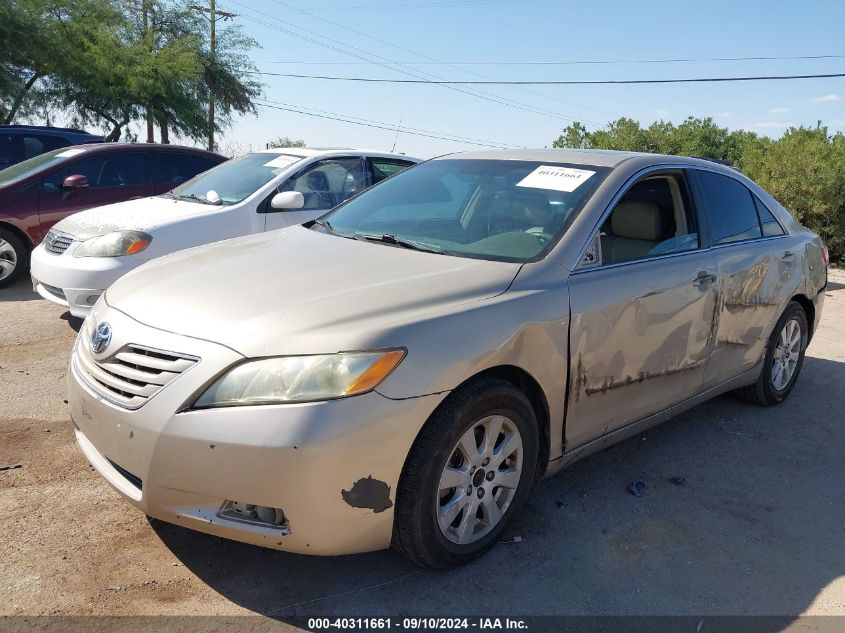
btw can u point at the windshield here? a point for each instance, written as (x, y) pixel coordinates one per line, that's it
(504, 210)
(236, 179)
(26, 168)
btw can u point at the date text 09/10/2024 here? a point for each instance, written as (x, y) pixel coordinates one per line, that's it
(418, 623)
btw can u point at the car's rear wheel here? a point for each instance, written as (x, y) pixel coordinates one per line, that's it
(784, 359)
(468, 473)
(14, 258)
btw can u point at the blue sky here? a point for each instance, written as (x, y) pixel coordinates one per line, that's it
(492, 32)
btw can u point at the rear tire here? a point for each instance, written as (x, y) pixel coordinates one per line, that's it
(484, 440)
(783, 360)
(14, 258)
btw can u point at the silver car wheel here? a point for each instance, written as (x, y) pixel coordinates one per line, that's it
(787, 354)
(8, 259)
(479, 480)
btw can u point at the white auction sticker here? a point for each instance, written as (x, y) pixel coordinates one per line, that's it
(282, 160)
(555, 178)
(70, 152)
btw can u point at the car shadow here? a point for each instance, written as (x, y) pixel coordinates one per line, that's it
(833, 285)
(743, 514)
(74, 322)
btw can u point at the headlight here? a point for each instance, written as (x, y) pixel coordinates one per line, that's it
(114, 244)
(300, 378)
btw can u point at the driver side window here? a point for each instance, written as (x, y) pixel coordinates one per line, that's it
(327, 183)
(654, 217)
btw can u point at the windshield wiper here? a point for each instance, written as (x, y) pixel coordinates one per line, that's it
(387, 238)
(326, 225)
(196, 198)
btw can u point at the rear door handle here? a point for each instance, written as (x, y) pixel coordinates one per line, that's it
(788, 256)
(704, 279)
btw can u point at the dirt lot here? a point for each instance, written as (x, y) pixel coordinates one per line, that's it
(756, 525)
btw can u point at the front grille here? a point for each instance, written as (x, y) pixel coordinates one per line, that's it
(57, 242)
(133, 374)
(132, 479)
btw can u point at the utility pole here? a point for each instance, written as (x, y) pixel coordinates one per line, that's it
(213, 16)
(146, 22)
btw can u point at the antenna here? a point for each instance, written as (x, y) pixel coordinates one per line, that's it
(396, 138)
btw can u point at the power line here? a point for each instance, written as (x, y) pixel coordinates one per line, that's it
(557, 82)
(392, 126)
(374, 59)
(435, 61)
(419, 5)
(385, 126)
(574, 62)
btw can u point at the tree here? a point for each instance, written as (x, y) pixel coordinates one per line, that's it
(113, 62)
(573, 136)
(28, 68)
(284, 141)
(228, 85)
(805, 171)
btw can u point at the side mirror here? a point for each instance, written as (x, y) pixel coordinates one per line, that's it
(287, 200)
(76, 181)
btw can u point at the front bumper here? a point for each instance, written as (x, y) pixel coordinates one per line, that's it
(76, 282)
(309, 460)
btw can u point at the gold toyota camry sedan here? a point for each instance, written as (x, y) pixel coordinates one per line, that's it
(400, 371)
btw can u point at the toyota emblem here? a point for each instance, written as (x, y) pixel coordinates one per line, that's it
(101, 338)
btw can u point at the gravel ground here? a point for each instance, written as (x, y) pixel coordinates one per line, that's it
(754, 523)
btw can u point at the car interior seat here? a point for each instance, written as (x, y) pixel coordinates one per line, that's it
(318, 182)
(636, 227)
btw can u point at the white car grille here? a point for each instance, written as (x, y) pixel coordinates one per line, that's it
(132, 375)
(56, 242)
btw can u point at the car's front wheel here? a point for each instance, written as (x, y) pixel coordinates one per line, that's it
(468, 473)
(14, 258)
(784, 359)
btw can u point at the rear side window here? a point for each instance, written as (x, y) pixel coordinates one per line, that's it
(124, 170)
(174, 169)
(771, 227)
(730, 209)
(384, 168)
(32, 146)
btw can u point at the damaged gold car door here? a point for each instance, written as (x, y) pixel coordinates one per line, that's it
(642, 312)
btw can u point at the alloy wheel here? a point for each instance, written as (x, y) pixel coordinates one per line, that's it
(787, 354)
(480, 479)
(8, 259)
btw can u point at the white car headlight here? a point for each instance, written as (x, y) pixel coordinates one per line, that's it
(114, 244)
(300, 378)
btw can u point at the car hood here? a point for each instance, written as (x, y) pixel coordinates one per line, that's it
(298, 291)
(144, 214)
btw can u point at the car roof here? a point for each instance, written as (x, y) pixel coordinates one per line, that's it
(57, 131)
(596, 157)
(129, 147)
(310, 152)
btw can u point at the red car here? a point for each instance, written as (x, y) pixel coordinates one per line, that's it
(37, 193)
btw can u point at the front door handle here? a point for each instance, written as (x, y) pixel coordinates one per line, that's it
(703, 279)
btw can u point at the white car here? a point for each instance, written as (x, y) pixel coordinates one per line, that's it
(84, 254)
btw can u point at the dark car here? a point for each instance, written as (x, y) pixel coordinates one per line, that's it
(21, 142)
(38, 192)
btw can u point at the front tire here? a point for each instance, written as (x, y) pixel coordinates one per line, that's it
(14, 258)
(469, 471)
(783, 361)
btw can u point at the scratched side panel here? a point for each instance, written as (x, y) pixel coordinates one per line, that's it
(640, 341)
(756, 284)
